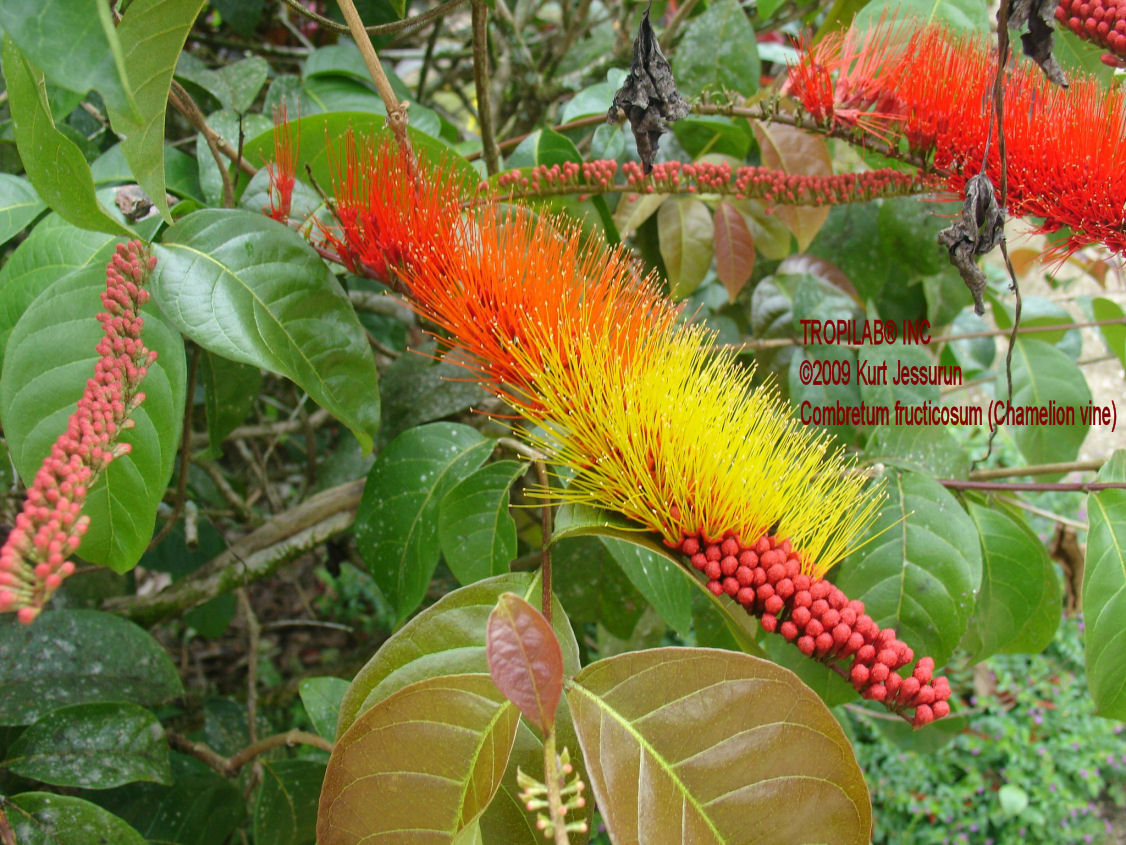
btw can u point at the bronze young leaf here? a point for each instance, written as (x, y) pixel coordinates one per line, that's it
(648, 97)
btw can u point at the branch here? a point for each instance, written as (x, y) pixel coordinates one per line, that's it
(182, 101)
(257, 555)
(481, 80)
(229, 766)
(1033, 486)
(379, 29)
(1036, 469)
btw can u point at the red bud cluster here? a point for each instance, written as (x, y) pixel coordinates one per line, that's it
(766, 578)
(1100, 21)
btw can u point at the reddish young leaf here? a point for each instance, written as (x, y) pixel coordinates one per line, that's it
(786, 148)
(734, 249)
(525, 661)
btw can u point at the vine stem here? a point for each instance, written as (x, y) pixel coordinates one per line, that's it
(481, 80)
(551, 777)
(230, 766)
(1033, 486)
(396, 110)
(1036, 469)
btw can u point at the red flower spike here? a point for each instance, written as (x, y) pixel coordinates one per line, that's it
(282, 171)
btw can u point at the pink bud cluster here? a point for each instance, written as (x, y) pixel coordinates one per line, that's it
(1100, 21)
(595, 174)
(34, 560)
(775, 187)
(768, 580)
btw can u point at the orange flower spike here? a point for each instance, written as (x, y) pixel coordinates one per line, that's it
(282, 171)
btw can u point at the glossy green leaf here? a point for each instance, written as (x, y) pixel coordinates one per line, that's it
(594, 99)
(46, 665)
(447, 638)
(593, 588)
(658, 576)
(19, 205)
(635, 209)
(200, 808)
(152, 33)
(525, 660)
(697, 745)
(929, 449)
(421, 765)
(52, 250)
(830, 687)
(879, 367)
(1104, 592)
(38, 393)
(1114, 335)
(229, 392)
(234, 85)
(55, 166)
(322, 697)
(74, 41)
(93, 746)
(734, 249)
(961, 15)
(798, 153)
(318, 141)
(252, 290)
(1018, 578)
(717, 52)
(1044, 377)
(229, 125)
(477, 533)
(920, 569)
(687, 235)
(397, 520)
(544, 146)
(44, 818)
(1039, 311)
(285, 812)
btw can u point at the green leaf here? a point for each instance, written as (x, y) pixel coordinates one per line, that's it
(544, 146)
(1114, 335)
(658, 576)
(38, 393)
(1104, 592)
(881, 366)
(920, 569)
(1045, 378)
(46, 665)
(710, 744)
(252, 290)
(55, 166)
(229, 390)
(235, 85)
(635, 209)
(43, 818)
(321, 697)
(397, 519)
(717, 52)
(200, 808)
(420, 765)
(525, 660)
(285, 812)
(19, 205)
(477, 533)
(713, 135)
(687, 235)
(75, 43)
(1013, 799)
(93, 746)
(229, 125)
(153, 33)
(929, 449)
(734, 249)
(1018, 579)
(830, 687)
(809, 400)
(960, 15)
(447, 638)
(594, 99)
(52, 250)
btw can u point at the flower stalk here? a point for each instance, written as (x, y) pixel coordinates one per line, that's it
(36, 556)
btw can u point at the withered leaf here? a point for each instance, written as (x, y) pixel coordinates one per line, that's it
(1037, 16)
(977, 231)
(649, 97)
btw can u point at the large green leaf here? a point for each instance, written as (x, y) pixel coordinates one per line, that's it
(52, 250)
(252, 290)
(477, 533)
(229, 392)
(54, 165)
(152, 33)
(1045, 378)
(19, 205)
(920, 569)
(234, 85)
(961, 15)
(38, 393)
(718, 52)
(93, 746)
(285, 812)
(658, 576)
(1104, 592)
(1018, 579)
(687, 235)
(447, 638)
(696, 745)
(321, 697)
(75, 43)
(43, 818)
(48, 665)
(397, 519)
(1114, 334)
(419, 766)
